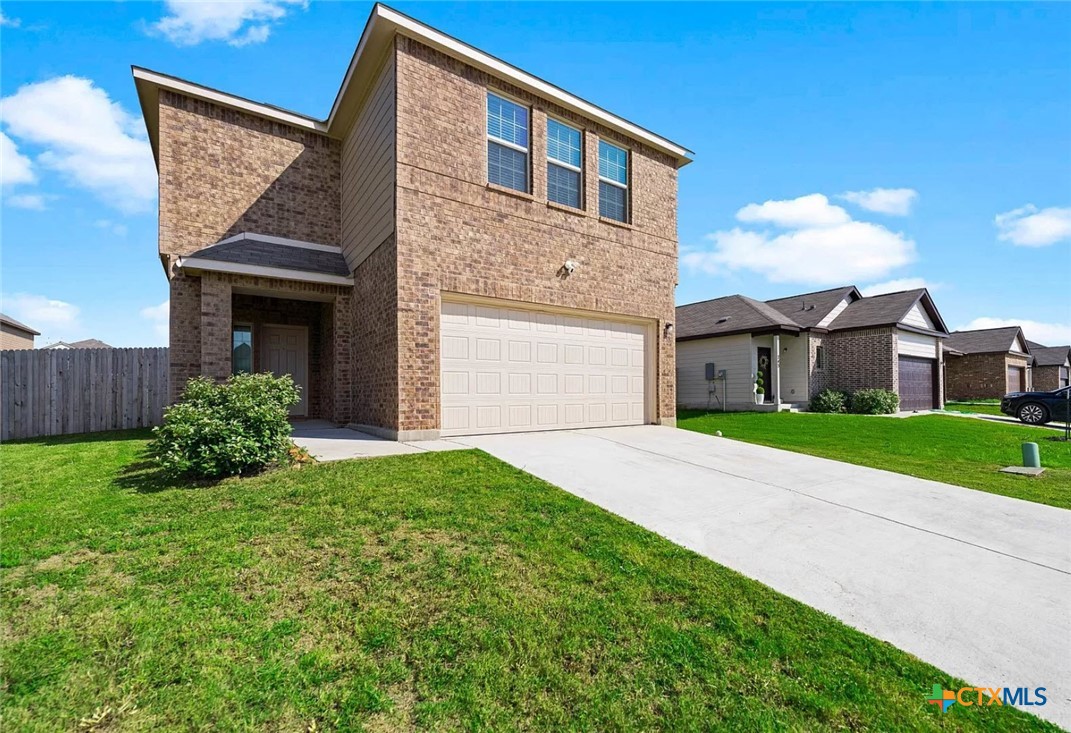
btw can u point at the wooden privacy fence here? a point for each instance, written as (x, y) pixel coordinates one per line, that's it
(63, 391)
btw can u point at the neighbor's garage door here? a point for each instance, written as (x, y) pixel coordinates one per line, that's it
(917, 379)
(1016, 379)
(506, 369)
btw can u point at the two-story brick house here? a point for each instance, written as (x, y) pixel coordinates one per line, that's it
(460, 247)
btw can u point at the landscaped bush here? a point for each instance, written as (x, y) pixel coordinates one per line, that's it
(237, 427)
(829, 400)
(874, 402)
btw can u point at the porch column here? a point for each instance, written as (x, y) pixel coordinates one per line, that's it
(777, 370)
(215, 327)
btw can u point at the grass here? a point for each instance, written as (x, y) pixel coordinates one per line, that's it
(980, 407)
(435, 591)
(938, 447)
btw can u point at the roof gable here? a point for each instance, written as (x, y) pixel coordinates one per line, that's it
(984, 341)
(379, 32)
(907, 308)
(810, 309)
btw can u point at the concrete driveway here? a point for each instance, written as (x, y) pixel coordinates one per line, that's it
(977, 584)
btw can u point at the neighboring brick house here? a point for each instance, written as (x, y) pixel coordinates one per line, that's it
(803, 344)
(1052, 366)
(15, 335)
(459, 247)
(987, 363)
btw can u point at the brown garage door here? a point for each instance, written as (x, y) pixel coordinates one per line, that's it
(1016, 379)
(917, 379)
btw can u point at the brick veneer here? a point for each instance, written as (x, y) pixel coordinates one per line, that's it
(980, 376)
(1047, 377)
(224, 172)
(455, 234)
(861, 359)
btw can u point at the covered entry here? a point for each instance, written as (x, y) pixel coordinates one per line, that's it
(508, 368)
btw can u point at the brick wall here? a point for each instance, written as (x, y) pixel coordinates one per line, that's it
(979, 376)
(14, 338)
(375, 339)
(1047, 378)
(223, 172)
(457, 234)
(860, 360)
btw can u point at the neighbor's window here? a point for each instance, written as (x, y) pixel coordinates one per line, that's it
(613, 182)
(241, 349)
(507, 143)
(564, 168)
(819, 357)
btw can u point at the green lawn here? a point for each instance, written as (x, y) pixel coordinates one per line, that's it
(938, 447)
(987, 407)
(438, 591)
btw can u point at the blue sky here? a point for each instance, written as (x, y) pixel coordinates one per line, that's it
(864, 143)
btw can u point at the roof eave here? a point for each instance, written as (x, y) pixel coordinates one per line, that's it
(196, 265)
(383, 24)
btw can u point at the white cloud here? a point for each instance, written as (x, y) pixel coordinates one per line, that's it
(806, 211)
(895, 286)
(159, 316)
(87, 137)
(237, 22)
(8, 22)
(892, 201)
(32, 201)
(14, 166)
(823, 247)
(115, 228)
(1050, 334)
(40, 312)
(1029, 226)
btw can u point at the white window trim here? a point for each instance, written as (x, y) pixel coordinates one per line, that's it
(487, 117)
(623, 186)
(555, 161)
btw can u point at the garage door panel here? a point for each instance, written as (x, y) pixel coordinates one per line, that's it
(917, 379)
(507, 369)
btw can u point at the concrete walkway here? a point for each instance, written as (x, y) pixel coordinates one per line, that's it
(326, 441)
(977, 584)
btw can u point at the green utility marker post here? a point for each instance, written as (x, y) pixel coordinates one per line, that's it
(1031, 457)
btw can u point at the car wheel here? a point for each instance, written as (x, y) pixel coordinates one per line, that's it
(1033, 414)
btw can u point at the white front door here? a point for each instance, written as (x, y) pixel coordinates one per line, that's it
(285, 350)
(511, 369)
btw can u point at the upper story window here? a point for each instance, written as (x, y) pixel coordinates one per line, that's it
(507, 143)
(613, 182)
(564, 169)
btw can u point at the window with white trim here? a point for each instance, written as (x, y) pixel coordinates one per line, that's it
(241, 349)
(564, 163)
(613, 182)
(507, 143)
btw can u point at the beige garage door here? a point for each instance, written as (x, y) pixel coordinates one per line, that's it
(508, 370)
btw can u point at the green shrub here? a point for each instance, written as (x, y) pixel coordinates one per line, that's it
(874, 402)
(829, 400)
(237, 427)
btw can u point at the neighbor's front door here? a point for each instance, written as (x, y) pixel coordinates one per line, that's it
(765, 359)
(285, 350)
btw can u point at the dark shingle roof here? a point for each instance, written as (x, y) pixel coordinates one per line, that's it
(984, 341)
(1049, 355)
(9, 321)
(731, 314)
(252, 251)
(881, 310)
(809, 309)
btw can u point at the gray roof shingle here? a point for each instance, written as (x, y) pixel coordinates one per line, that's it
(727, 315)
(253, 251)
(809, 309)
(9, 321)
(881, 310)
(1049, 355)
(983, 341)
